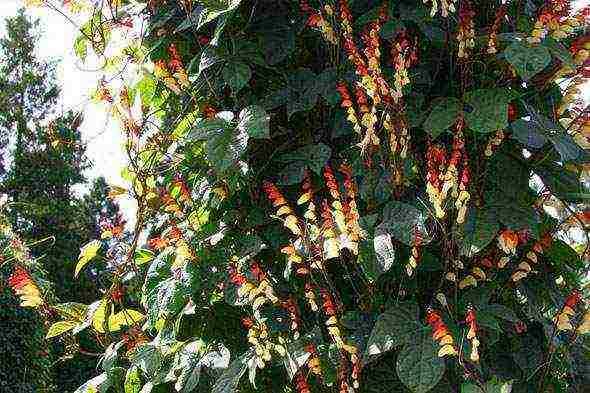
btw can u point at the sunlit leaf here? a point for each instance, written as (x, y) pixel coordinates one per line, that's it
(87, 252)
(59, 328)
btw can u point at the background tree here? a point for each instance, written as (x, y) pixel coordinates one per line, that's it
(47, 164)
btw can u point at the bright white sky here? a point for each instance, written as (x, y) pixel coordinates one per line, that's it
(77, 83)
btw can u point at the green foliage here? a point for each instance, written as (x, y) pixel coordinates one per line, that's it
(442, 272)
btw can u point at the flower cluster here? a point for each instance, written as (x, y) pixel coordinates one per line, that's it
(555, 20)
(301, 384)
(347, 104)
(283, 210)
(103, 93)
(562, 319)
(584, 326)
(316, 19)
(494, 142)
(441, 334)
(471, 321)
(256, 292)
(405, 55)
(466, 34)
(313, 362)
(440, 184)
(476, 274)
(492, 40)
(173, 73)
(531, 257)
(446, 7)
(332, 325)
(435, 161)
(25, 287)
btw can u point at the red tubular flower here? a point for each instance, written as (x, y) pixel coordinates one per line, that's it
(572, 300)
(301, 384)
(344, 95)
(158, 243)
(331, 182)
(313, 363)
(327, 303)
(247, 322)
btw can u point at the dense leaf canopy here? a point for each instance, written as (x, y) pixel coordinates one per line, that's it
(343, 196)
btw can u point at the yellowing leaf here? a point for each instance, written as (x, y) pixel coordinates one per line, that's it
(86, 254)
(125, 317)
(100, 315)
(59, 328)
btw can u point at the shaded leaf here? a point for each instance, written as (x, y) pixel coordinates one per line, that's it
(229, 380)
(527, 133)
(418, 364)
(398, 325)
(254, 121)
(479, 230)
(236, 75)
(528, 60)
(487, 109)
(315, 156)
(405, 223)
(443, 115)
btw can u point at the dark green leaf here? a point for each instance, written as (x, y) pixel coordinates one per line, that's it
(236, 75)
(315, 156)
(406, 223)
(397, 326)
(209, 57)
(444, 114)
(418, 365)
(487, 109)
(255, 122)
(566, 146)
(529, 355)
(528, 60)
(292, 174)
(559, 51)
(501, 312)
(478, 231)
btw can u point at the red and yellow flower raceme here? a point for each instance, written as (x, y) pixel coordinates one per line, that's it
(25, 288)
(563, 319)
(441, 334)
